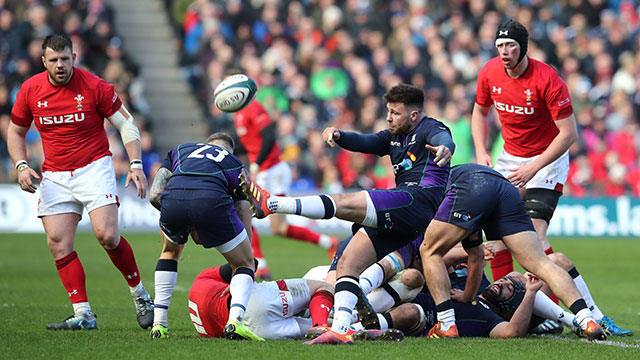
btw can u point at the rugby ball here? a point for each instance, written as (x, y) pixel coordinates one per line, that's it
(234, 93)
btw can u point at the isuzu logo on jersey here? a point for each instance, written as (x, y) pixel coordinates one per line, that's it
(43, 104)
(59, 119)
(523, 110)
(497, 89)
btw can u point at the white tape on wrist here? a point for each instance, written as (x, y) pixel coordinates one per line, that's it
(135, 164)
(330, 140)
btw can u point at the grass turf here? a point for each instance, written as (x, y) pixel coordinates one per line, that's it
(31, 295)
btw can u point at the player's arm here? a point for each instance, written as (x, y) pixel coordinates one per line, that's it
(268, 141)
(479, 131)
(441, 145)
(377, 144)
(560, 144)
(159, 183)
(123, 121)
(475, 269)
(519, 323)
(17, 146)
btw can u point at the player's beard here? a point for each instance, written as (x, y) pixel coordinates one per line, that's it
(60, 76)
(492, 296)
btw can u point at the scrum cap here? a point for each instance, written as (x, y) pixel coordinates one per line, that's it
(513, 31)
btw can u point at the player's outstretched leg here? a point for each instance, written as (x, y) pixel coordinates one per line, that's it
(81, 321)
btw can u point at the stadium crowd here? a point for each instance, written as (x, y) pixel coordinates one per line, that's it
(327, 62)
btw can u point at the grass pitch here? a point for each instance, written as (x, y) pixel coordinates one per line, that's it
(31, 295)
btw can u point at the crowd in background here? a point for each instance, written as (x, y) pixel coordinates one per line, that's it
(23, 26)
(328, 62)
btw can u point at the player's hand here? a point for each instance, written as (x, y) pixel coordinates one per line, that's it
(533, 282)
(329, 135)
(226, 291)
(25, 181)
(484, 159)
(140, 179)
(489, 251)
(521, 175)
(442, 153)
(457, 295)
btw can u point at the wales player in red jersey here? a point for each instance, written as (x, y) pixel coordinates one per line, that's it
(68, 106)
(257, 133)
(538, 127)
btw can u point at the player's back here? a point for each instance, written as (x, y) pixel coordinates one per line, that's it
(198, 166)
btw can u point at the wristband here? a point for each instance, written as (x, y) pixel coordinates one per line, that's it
(135, 164)
(21, 165)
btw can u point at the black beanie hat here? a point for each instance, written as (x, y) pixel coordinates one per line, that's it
(515, 31)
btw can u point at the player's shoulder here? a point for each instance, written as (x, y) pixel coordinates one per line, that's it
(254, 108)
(542, 70)
(35, 81)
(494, 64)
(90, 79)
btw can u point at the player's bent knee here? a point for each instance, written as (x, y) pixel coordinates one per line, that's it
(413, 279)
(541, 203)
(420, 320)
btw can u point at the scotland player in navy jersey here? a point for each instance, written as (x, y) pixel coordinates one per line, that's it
(197, 193)
(478, 197)
(420, 148)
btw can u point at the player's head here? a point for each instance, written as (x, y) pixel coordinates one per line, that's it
(58, 58)
(404, 107)
(223, 140)
(506, 293)
(512, 34)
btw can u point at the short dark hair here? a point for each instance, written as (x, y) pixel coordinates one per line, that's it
(223, 137)
(407, 94)
(57, 42)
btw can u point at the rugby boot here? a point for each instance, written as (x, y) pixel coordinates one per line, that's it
(256, 195)
(367, 315)
(611, 329)
(435, 332)
(594, 331)
(316, 331)
(375, 334)
(144, 309)
(81, 321)
(263, 274)
(548, 327)
(332, 338)
(158, 332)
(238, 331)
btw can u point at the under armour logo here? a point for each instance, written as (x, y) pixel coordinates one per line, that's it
(497, 89)
(74, 292)
(503, 32)
(323, 306)
(135, 274)
(43, 103)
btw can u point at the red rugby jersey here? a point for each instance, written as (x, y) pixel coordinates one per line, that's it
(208, 311)
(526, 106)
(249, 122)
(70, 118)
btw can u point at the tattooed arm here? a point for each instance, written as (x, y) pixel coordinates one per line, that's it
(160, 181)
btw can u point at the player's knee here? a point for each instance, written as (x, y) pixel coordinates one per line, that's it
(413, 279)
(541, 203)
(561, 260)
(109, 239)
(417, 319)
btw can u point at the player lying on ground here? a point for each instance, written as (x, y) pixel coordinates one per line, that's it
(197, 192)
(478, 197)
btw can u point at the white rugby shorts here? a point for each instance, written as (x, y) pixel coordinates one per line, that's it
(276, 179)
(91, 186)
(547, 178)
(271, 310)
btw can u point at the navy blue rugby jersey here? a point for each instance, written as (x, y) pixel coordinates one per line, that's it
(198, 166)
